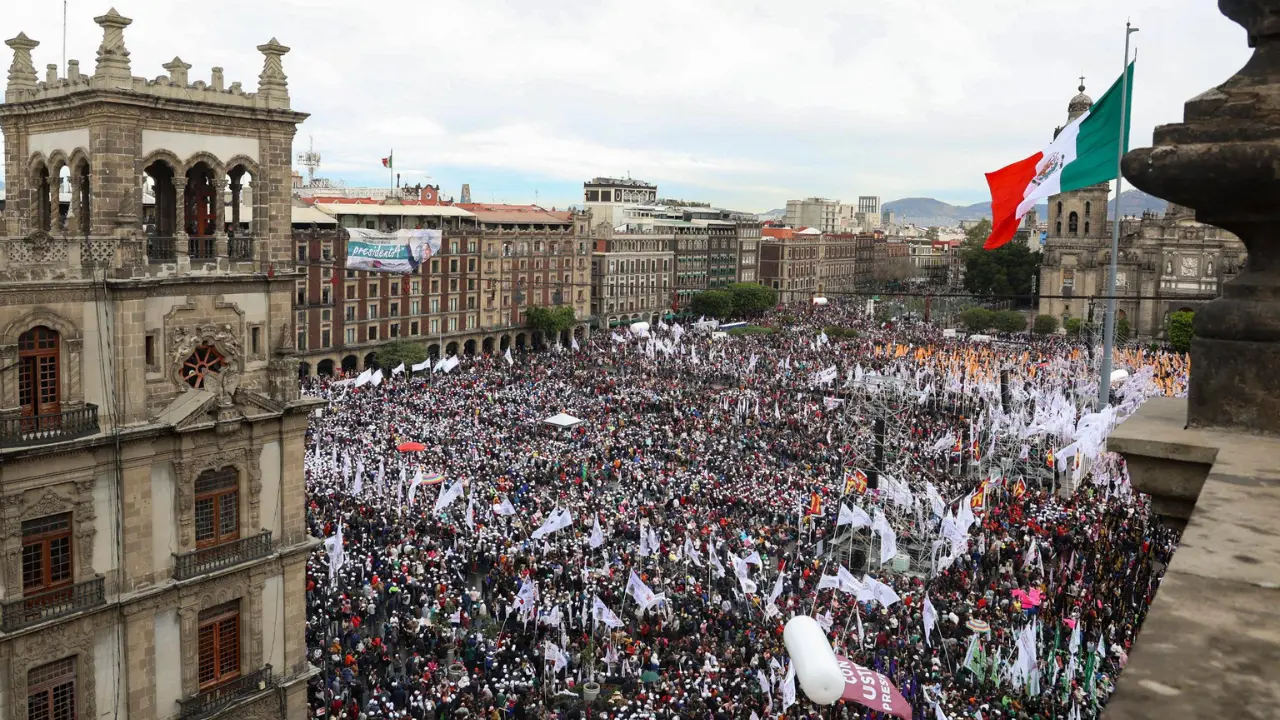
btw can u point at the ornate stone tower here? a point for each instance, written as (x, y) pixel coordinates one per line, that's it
(1078, 231)
(151, 432)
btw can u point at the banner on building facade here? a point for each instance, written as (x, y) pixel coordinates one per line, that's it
(401, 251)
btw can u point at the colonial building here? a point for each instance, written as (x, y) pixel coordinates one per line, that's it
(151, 430)
(630, 275)
(789, 262)
(748, 251)
(1165, 263)
(495, 261)
(838, 270)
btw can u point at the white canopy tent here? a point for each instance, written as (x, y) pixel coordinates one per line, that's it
(563, 420)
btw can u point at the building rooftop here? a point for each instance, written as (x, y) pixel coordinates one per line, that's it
(491, 213)
(365, 206)
(620, 182)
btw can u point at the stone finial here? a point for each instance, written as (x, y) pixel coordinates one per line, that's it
(216, 80)
(272, 83)
(22, 73)
(1223, 160)
(177, 71)
(51, 74)
(73, 71)
(113, 58)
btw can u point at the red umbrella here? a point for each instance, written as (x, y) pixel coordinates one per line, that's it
(411, 446)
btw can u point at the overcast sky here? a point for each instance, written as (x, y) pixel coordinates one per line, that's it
(740, 103)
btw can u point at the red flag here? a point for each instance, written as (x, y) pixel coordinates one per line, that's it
(1008, 186)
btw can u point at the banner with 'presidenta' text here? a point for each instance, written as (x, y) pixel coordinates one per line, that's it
(401, 251)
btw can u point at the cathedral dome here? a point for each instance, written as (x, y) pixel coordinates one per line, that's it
(1079, 103)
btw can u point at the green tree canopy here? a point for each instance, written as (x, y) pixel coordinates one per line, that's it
(1010, 269)
(551, 321)
(1073, 326)
(976, 319)
(1181, 330)
(751, 298)
(713, 303)
(395, 352)
(1045, 325)
(1010, 321)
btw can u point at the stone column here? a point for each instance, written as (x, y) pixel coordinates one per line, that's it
(73, 208)
(182, 252)
(236, 199)
(220, 220)
(56, 225)
(1223, 160)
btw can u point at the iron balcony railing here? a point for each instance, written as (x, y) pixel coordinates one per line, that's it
(49, 428)
(210, 559)
(215, 699)
(160, 249)
(50, 604)
(240, 248)
(201, 247)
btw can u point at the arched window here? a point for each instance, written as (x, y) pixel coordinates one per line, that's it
(85, 205)
(217, 507)
(1057, 228)
(43, 203)
(1073, 223)
(1059, 209)
(200, 364)
(1086, 227)
(161, 219)
(1088, 210)
(39, 384)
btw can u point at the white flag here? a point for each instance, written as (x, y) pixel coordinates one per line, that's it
(715, 562)
(376, 379)
(471, 512)
(413, 486)
(508, 358)
(856, 517)
(888, 538)
(601, 613)
(597, 537)
(447, 496)
(692, 553)
(398, 370)
(337, 554)
(557, 657)
(358, 485)
(777, 589)
(573, 343)
(640, 592)
(504, 508)
(930, 618)
(789, 688)
(557, 520)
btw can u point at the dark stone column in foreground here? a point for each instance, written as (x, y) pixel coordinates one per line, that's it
(1224, 161)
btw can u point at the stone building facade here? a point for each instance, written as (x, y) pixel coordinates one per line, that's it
(1166, 263)
(631, 275)
(748, 251)
(495, 262)
(838, 270)
(152, 522)
(789, 261)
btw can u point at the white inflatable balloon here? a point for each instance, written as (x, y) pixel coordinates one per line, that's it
(639, 329)
(814, 660)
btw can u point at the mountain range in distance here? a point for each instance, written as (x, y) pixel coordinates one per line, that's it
(928, 212)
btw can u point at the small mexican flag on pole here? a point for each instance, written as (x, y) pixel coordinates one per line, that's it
(387, 161)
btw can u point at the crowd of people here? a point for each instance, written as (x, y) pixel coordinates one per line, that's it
(651, 546)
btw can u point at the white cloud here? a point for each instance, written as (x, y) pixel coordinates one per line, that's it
(751, 101)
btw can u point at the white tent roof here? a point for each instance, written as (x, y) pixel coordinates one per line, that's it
(562, 420)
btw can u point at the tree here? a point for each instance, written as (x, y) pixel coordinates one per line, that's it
(976, 319)
(1010, 321)
(401, 351)
(1073, 326)
(751, 298)
(1181, 330)
(1010, 269)
(713, 303)
(1045, 325)
(551, 321)
(1122, 330)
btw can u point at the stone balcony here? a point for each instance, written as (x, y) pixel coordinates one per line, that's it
(1210, 646)
(44, 257)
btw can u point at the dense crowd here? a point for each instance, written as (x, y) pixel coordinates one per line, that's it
(658, 546)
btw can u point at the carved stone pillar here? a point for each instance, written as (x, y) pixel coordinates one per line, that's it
(236, 199)
(1224, 161)
(73, 208)
(56, 225)
(189, 631)
(181, 250)
(255, 650)
(220, 220)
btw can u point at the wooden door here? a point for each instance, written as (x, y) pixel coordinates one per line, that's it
(39, 384)
(200, 210)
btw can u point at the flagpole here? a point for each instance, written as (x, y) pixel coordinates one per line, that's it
(1109, 330)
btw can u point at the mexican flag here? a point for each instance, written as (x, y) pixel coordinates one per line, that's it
(387, 161)
(1084, 153)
